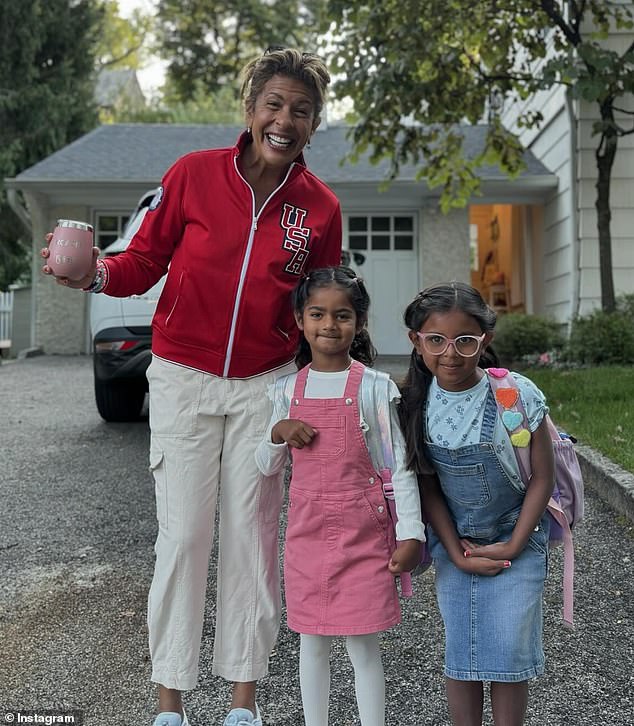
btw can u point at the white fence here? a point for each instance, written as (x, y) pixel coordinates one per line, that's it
(6, 315)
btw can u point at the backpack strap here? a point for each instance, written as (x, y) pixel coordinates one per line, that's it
(513, 415)
(385, 429)
(509, 402)
(557, 513)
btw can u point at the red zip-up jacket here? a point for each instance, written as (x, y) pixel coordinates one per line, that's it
(226, 308)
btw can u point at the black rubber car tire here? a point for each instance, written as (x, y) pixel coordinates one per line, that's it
(119, 401)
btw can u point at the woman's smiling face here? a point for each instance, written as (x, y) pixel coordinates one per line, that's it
(282, 121)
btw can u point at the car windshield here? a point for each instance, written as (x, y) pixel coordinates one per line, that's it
(134, 224)
(131, 228)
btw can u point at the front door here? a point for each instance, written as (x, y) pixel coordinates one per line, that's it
(382, 249)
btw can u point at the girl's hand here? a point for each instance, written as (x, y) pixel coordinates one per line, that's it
(405, 557)
(496, 551)
(294, 432)
(65, 281)
(483, 566)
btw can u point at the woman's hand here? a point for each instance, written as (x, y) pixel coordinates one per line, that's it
(65, 281)
(405, 557)
(294, 432)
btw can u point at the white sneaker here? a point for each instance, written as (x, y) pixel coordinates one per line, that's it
(171, 718)
(243, 717)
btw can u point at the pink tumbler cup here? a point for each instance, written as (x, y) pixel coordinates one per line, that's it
(71, 249)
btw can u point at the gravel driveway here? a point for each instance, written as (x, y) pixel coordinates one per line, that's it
(78, 526)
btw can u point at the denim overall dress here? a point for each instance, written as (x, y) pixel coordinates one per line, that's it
(493, 625)
(338, 536)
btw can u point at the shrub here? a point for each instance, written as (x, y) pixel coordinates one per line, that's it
(602, 337)
(518, 335)
(625, 305)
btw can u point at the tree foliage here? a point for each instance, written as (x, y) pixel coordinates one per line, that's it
(123, 41)
(417, 69)
(207, 42)
(219, 107)
(46, 96)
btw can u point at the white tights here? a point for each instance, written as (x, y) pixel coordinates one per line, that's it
(369, 681)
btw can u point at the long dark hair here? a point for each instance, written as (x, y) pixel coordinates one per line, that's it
(436, 299)
(362, 348)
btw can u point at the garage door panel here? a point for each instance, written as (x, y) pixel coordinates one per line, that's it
(385, 255)
(391, 283)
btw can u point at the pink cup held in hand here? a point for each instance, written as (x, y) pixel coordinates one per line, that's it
(71, 249)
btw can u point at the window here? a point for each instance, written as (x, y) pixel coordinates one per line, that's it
(381, 232)
(108, 227)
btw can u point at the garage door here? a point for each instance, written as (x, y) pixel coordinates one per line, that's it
(383, 250)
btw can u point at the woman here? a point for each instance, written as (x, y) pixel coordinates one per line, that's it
(234, 229)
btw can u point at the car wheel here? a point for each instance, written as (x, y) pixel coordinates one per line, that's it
(120, 400)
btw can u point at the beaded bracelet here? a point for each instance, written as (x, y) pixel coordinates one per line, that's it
(100, 280)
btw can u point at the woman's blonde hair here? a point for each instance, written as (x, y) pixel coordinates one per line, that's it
(305, 67)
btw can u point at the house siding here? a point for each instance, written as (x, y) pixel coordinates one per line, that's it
(557, 283)
(553, 281)
(621, 205)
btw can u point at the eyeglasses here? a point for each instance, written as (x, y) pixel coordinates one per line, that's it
(465, 345)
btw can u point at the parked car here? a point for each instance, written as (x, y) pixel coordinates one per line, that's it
(121, 337)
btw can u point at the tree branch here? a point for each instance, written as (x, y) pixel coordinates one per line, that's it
(548, 6)
(120, 58)
(577, 13)
(500, 77)
(623, 110)
(518, 79)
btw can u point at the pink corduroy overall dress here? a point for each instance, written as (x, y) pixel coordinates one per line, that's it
(338, 537)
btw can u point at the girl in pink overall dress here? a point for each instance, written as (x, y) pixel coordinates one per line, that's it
(340, 557)
(338, 530)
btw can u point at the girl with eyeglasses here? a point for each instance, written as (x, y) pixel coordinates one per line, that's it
(487, 532)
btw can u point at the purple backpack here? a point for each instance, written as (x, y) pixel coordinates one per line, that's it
(566, 504)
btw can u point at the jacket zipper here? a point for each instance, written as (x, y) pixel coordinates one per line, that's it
(245, 260)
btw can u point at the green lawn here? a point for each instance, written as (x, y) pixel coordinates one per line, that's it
(596, 405)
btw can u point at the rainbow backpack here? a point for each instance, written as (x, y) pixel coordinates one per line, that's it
(566, 503)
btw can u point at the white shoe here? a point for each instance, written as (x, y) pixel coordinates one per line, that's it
(243, 717)
(171, 718)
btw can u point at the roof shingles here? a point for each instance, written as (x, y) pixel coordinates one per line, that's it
(143, 152)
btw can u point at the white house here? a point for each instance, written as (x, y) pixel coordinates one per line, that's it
(400, 240)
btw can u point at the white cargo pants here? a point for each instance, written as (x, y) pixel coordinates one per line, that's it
(204, 433)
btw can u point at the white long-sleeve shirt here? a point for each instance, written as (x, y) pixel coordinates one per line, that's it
(378, 396)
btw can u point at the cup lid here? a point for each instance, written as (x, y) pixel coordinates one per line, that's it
(74, 224)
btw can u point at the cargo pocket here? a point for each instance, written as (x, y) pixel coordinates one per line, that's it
(157, 467)
(175, 393)
(271, 496)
